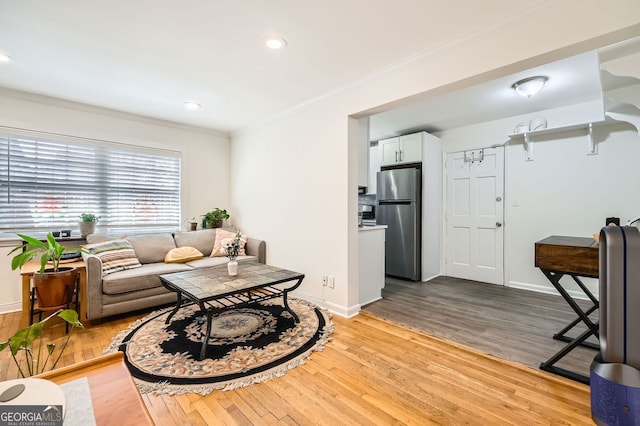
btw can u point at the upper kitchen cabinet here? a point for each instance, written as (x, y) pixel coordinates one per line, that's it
(402, 149)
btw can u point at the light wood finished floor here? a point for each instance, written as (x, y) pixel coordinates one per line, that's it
(372, 372)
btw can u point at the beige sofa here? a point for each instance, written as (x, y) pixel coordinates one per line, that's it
(139, 288)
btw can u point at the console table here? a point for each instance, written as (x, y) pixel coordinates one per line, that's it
(557, 256)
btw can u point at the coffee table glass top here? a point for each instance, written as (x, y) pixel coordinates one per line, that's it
(214, 282)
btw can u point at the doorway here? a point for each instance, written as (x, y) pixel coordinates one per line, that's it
(474, 238)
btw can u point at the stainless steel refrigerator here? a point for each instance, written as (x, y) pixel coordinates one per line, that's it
(399, 195)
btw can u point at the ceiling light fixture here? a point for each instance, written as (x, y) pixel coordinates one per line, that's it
(5, 58)
(192, 105)
(527, 87)
(273, 42)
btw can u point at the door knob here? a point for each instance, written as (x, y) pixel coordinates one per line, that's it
(498, 199)
(498, 224)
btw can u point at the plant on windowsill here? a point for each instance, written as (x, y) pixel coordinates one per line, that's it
(214, 218)
(56, 285)
(88, 224)
(193, 223)
(34, 360)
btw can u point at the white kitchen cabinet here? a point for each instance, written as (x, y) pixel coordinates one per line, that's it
(401, 149)
(371, 240)
(374, 168)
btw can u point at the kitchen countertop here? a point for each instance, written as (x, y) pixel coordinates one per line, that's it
(371, 227)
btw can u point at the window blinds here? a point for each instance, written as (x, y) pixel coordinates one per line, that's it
(45, 185)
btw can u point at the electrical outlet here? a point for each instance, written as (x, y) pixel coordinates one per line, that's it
(324, 281)
(331, 281)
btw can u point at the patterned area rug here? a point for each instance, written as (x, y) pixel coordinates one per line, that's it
(248, 345)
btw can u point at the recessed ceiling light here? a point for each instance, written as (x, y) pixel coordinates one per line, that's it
(273, 42)
(192, 105)
(5, 58)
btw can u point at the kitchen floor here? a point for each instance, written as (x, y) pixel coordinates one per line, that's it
(509, 323)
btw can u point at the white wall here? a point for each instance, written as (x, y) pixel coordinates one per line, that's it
(294, 180)
(205, 155)
(563, 191)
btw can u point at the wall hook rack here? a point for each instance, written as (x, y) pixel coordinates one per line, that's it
(473, 156)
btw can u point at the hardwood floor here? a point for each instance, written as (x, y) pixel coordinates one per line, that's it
(509, 323)
(372, 372)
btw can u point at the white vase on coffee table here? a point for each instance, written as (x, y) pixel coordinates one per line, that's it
(232, 267)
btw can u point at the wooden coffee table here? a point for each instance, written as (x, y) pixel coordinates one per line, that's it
(215, 291)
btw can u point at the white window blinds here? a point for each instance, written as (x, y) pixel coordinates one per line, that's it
(46, 184)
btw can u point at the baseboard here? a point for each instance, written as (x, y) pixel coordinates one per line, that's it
(546, 289)
(346, 312)
(424, 280)
(10, 307)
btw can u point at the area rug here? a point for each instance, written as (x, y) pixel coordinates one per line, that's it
(247, 345)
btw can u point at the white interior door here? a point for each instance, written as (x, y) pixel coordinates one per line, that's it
(474, 215)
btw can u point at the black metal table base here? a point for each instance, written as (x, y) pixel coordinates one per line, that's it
(583, 316)
(238, 300)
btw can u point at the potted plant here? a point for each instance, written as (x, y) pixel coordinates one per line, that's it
(87, 224)
(33, 363)
(55, 285)
(193, 223)
(214, 218)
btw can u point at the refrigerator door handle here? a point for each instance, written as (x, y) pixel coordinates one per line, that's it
(392, 202)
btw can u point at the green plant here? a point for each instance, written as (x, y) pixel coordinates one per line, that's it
(215, 215)
(89, 217)
(33, 362)
(49, 251)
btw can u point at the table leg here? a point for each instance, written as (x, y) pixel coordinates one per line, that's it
(205, 338)
(26, 298)
(592, 328)
(178, 304)
(555, 280)
(81, 294)
(549, 364)
(286, 302)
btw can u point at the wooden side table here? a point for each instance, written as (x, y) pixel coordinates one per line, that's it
(115, 398)
(30, 268)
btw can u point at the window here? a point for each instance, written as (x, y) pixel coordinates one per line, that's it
(46, 184)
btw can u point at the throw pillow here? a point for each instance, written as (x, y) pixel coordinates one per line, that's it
(116, 255)
(222, 234)
(182, 255)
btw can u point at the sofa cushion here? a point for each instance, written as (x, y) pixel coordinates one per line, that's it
(151, 248)
(182, 255)
(147, 276)
(221, 236)
(202, 240)
(215, 261)
(116, 255)
(99, 238)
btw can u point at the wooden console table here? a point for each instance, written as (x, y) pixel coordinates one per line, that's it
(557, 256)
(31, 268)
(114, 396)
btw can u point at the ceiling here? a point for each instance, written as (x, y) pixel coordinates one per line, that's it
(148, 57)
(571, 80)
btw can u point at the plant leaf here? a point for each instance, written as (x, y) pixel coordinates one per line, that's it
(33, 241)
(50, 348)
(23, 338)
(71, 316)
(51, 240)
